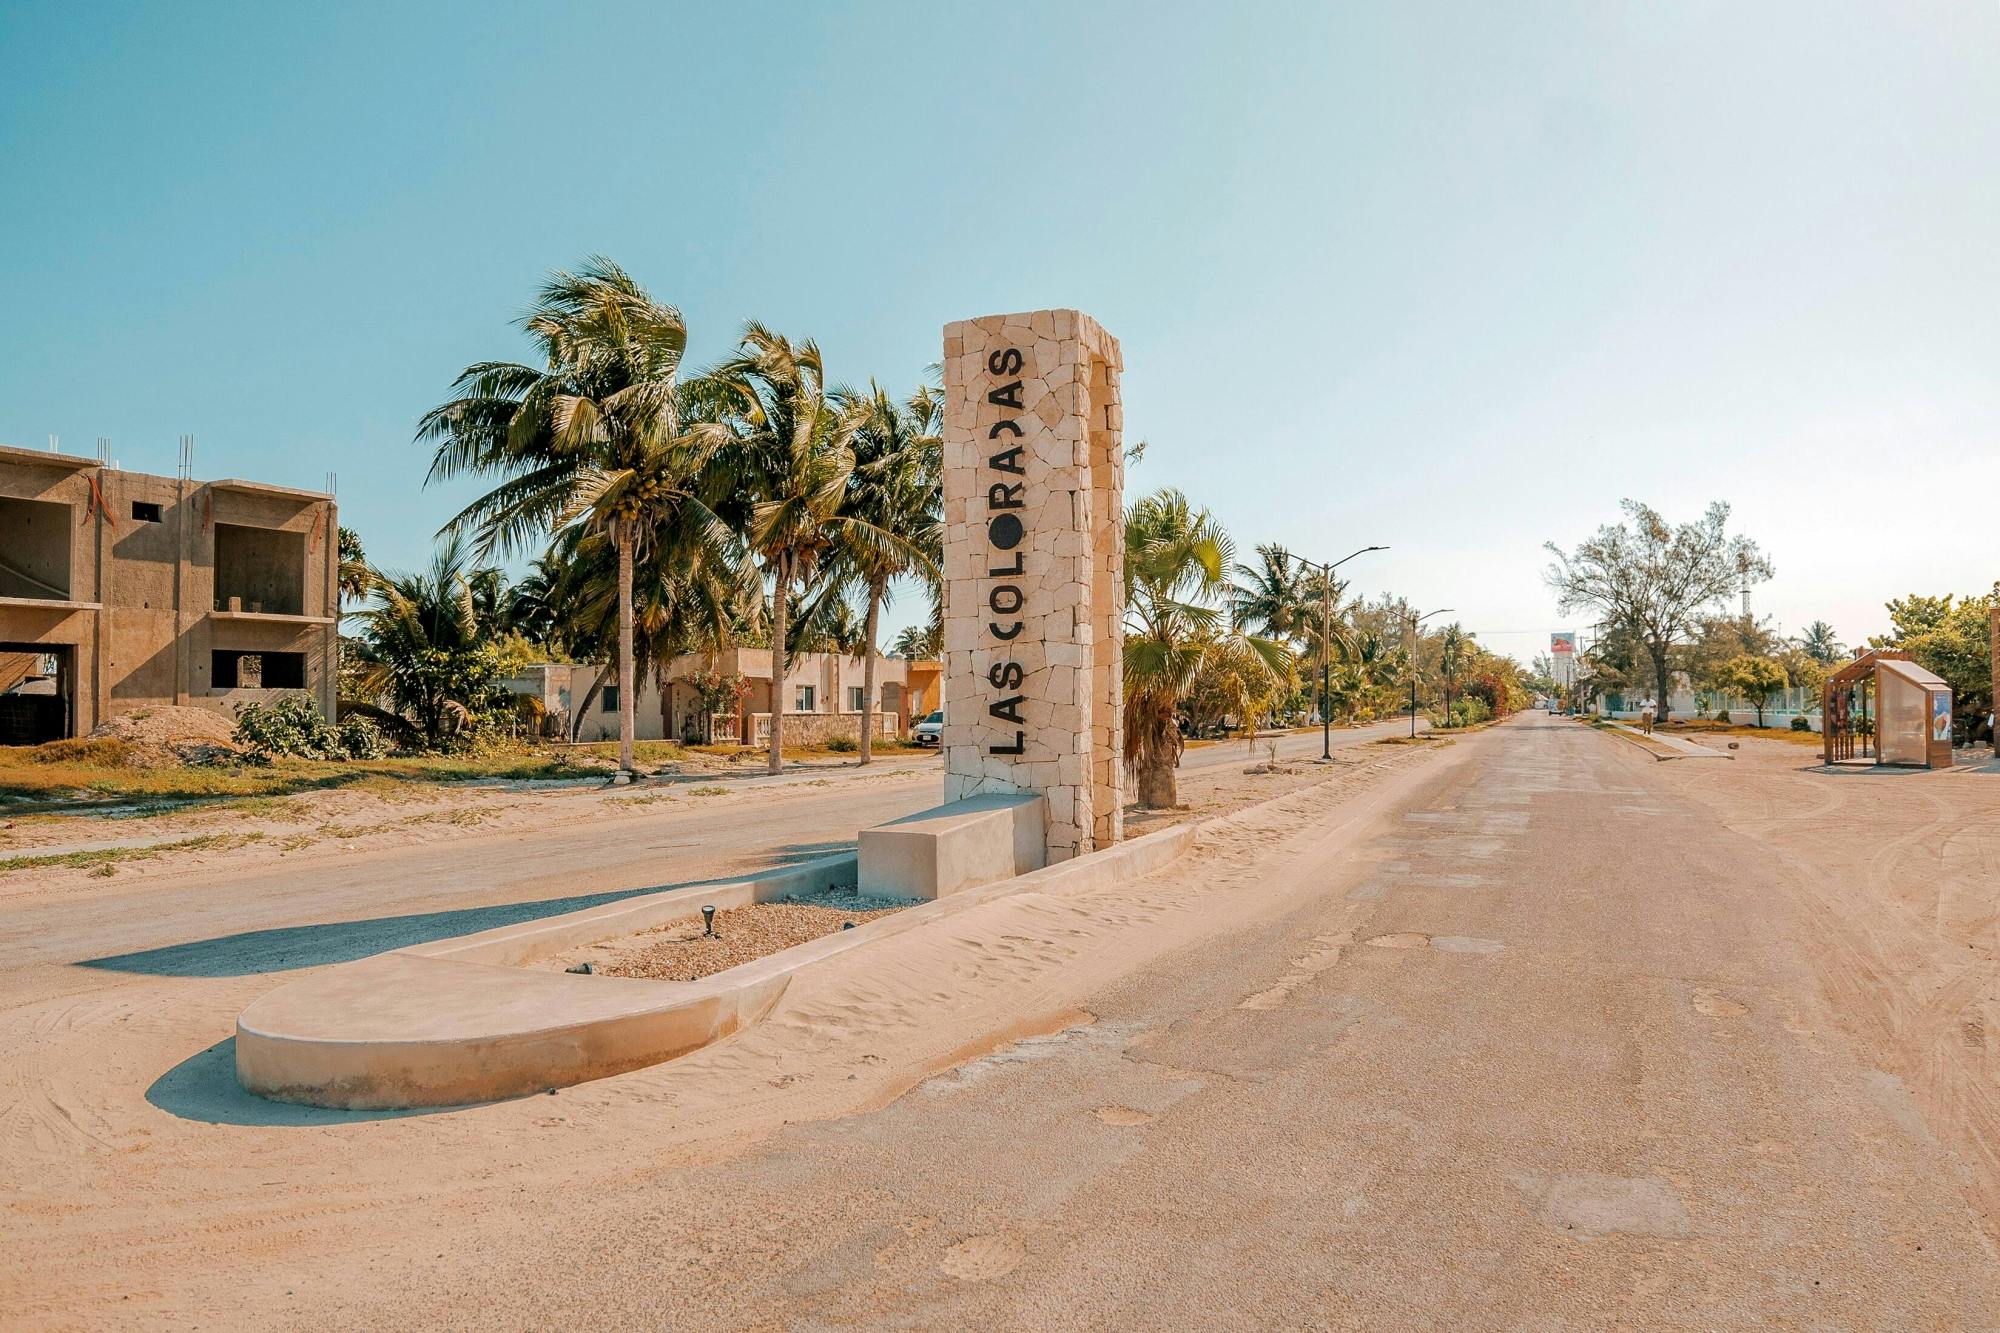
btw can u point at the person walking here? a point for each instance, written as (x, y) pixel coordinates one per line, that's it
(1646, 715)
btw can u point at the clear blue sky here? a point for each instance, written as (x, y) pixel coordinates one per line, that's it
(1453, 278)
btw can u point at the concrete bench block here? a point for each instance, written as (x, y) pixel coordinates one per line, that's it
(956, 846)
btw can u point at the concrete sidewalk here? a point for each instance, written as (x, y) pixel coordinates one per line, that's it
(1684, 748)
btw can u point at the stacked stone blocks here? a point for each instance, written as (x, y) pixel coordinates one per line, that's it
(1033, 563)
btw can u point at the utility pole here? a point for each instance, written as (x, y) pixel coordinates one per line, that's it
(1414, 622)
(1326, 644)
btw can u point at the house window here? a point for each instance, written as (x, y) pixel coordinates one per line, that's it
(610, 697)
(802, 699)
(857, 698)
(144, 512)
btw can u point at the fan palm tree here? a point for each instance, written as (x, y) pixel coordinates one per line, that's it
(1176, 558)
(592, 437)
(793, 455)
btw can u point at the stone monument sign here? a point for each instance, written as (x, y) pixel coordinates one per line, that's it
(1034, 561)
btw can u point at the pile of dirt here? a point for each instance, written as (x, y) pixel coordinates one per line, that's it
(167, 734)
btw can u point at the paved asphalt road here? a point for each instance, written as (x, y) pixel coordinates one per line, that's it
(1541, 1050)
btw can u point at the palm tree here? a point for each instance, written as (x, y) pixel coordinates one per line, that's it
(354, 572)
(828, 623)
(1821, 644)
(897, 486)
(679, 605)
(793, 456)
(417, 641)
(1175, 560)
(593, 437)
(917, 642)
(1271, 595)
(535, 609)
(1453, 652)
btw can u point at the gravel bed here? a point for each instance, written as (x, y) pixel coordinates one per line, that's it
(681, 952)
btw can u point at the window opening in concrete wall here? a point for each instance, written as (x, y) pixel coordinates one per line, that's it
(34, 549)
(284, 671)
(260, 570)
(610, 697)
(35, 690)
(234, 669)
(145, 511)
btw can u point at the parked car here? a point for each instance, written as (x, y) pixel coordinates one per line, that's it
(930, 731)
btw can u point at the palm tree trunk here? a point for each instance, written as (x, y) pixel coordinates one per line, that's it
(626, 710)
(779, 589)
(868, 673)
(582, 707)
(1157, 790)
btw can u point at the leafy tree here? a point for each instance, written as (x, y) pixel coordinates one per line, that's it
(1175, 560)
(1651, 579)
(590, 438)
(1721, 639)
(1948, 635)
(1234, 680)
(1754, 678)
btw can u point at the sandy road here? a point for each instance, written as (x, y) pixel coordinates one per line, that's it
(1298, 745)
(217, 920)
(1510, 1034)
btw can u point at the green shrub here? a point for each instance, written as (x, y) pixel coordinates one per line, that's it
(843, 745)
(1722, 716)
(294, 726)
(1800, 723)
(360, 739)
(1469, 711)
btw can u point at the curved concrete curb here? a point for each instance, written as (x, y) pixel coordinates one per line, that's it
(459, 1021)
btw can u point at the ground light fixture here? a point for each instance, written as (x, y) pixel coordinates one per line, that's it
(1326, 643)
(708, 920)
(1414, 622)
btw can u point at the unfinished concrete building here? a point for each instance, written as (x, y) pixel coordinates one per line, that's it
(121, 590)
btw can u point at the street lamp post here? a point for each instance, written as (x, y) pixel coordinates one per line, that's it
(1414, 622)
(1326, 644)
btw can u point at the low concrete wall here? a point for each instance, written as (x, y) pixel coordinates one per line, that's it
(459, 1021)
(956, 846)
(819, 728)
